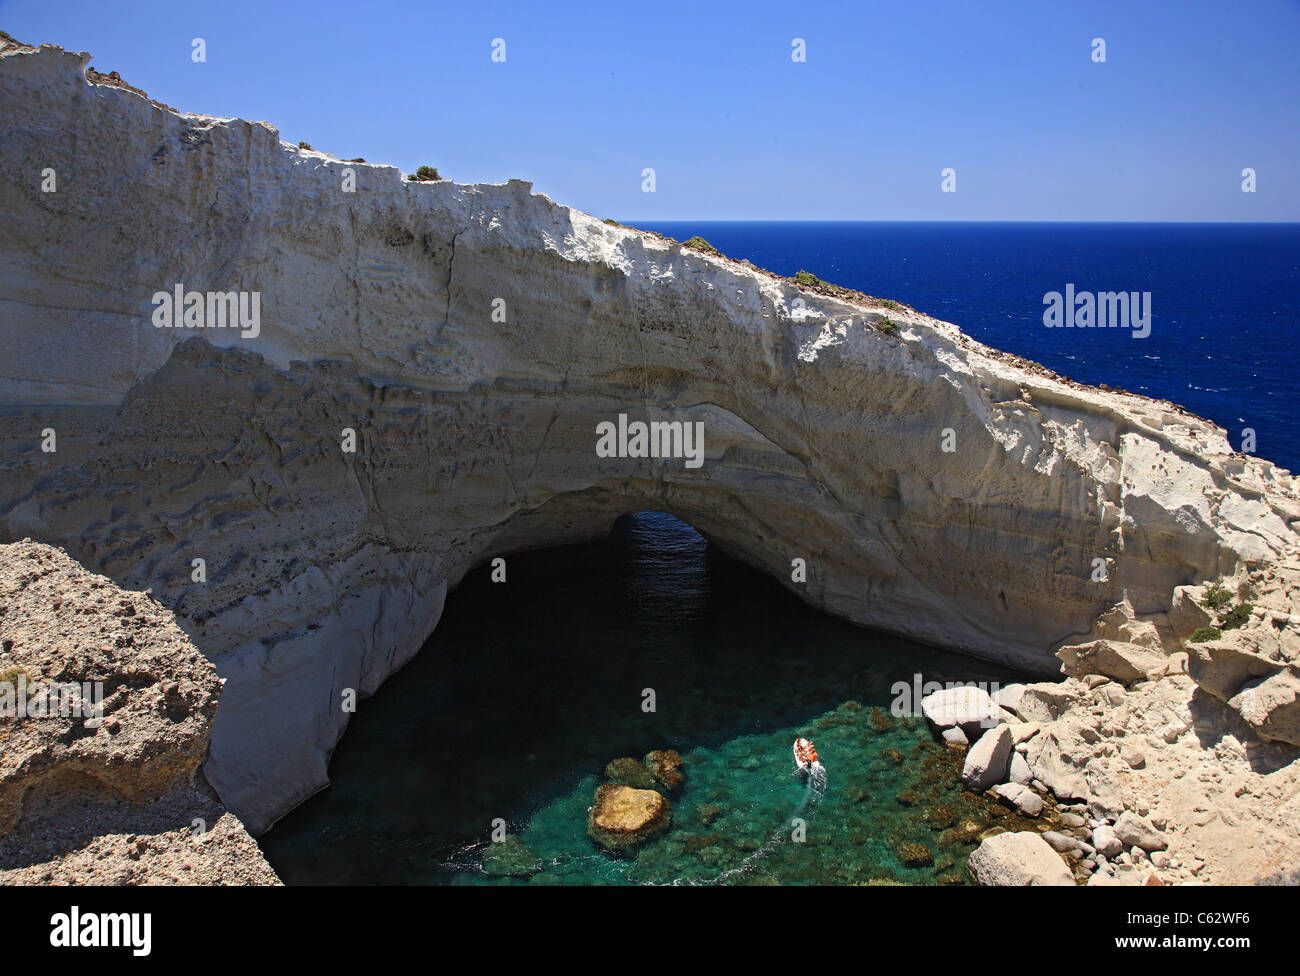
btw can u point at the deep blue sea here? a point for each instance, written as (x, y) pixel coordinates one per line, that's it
(1225, 300)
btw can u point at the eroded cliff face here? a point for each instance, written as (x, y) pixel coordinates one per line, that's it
(105, 712)
(475, 432)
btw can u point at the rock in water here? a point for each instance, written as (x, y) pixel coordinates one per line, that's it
(623, 817)
(1018, 860)
(665, 766)
(989, 760)
(630, 772)
(510, 858)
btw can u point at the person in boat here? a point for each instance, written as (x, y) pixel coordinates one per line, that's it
(805, 754)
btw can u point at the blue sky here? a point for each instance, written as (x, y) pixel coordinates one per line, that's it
(1006, 94)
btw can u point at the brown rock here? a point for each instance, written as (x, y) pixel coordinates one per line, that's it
(630, 772)
(665, 766)
(623, 817)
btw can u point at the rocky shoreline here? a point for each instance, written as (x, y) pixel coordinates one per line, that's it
(1162, 776)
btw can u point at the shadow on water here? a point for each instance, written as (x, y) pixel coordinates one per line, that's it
(529, 687)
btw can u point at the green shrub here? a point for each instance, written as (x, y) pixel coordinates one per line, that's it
(701, 245)
(305, 145)
(807, 278)
(889, 303)
(357, 160)
(1216, 596)
(425, 174)
(1238, 616)
(888, 326)
(1202, 634)
(611, 221)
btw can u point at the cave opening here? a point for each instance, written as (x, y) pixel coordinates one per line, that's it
(651, 638)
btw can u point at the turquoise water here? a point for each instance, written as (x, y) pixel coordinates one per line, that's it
(529, 688)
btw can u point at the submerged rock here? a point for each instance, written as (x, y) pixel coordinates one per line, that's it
(630, 772)
(623, 817)
(915, 855)
(510, 858)
(665, 766)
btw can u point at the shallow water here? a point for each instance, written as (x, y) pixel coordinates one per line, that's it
(528, 688)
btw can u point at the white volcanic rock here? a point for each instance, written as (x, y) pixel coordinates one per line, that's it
(967, 708)
(1018, 860)
(473, 337)
(1122, 661)
(1134, 831)
(1021, 797)
(988, 760)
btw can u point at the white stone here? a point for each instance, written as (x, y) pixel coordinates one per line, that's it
(1021, 798)
(968, 707)
(988, 760)
(1018, 859)
(1133, 831)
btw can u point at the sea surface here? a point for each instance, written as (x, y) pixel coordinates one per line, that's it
(510, 713)
(1225, 300)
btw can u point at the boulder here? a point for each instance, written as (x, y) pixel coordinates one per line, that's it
(665, 766)
(1105, 841)
(1064, 843)
(1046, 700)
(967, 707)
(988, 761)
(1126, 663)
(1105, 798)
(1009, 697)
(1020, 798)
(1272, 706)
(1053, 766)
(1019, 771)
(1018, 860)
(623, 817)
(630, 772)
(1120, 623)
(510, 858)
(1023, 731)
(1134, 831)
(955, 737)
(1186, 614)
(1222, 666)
